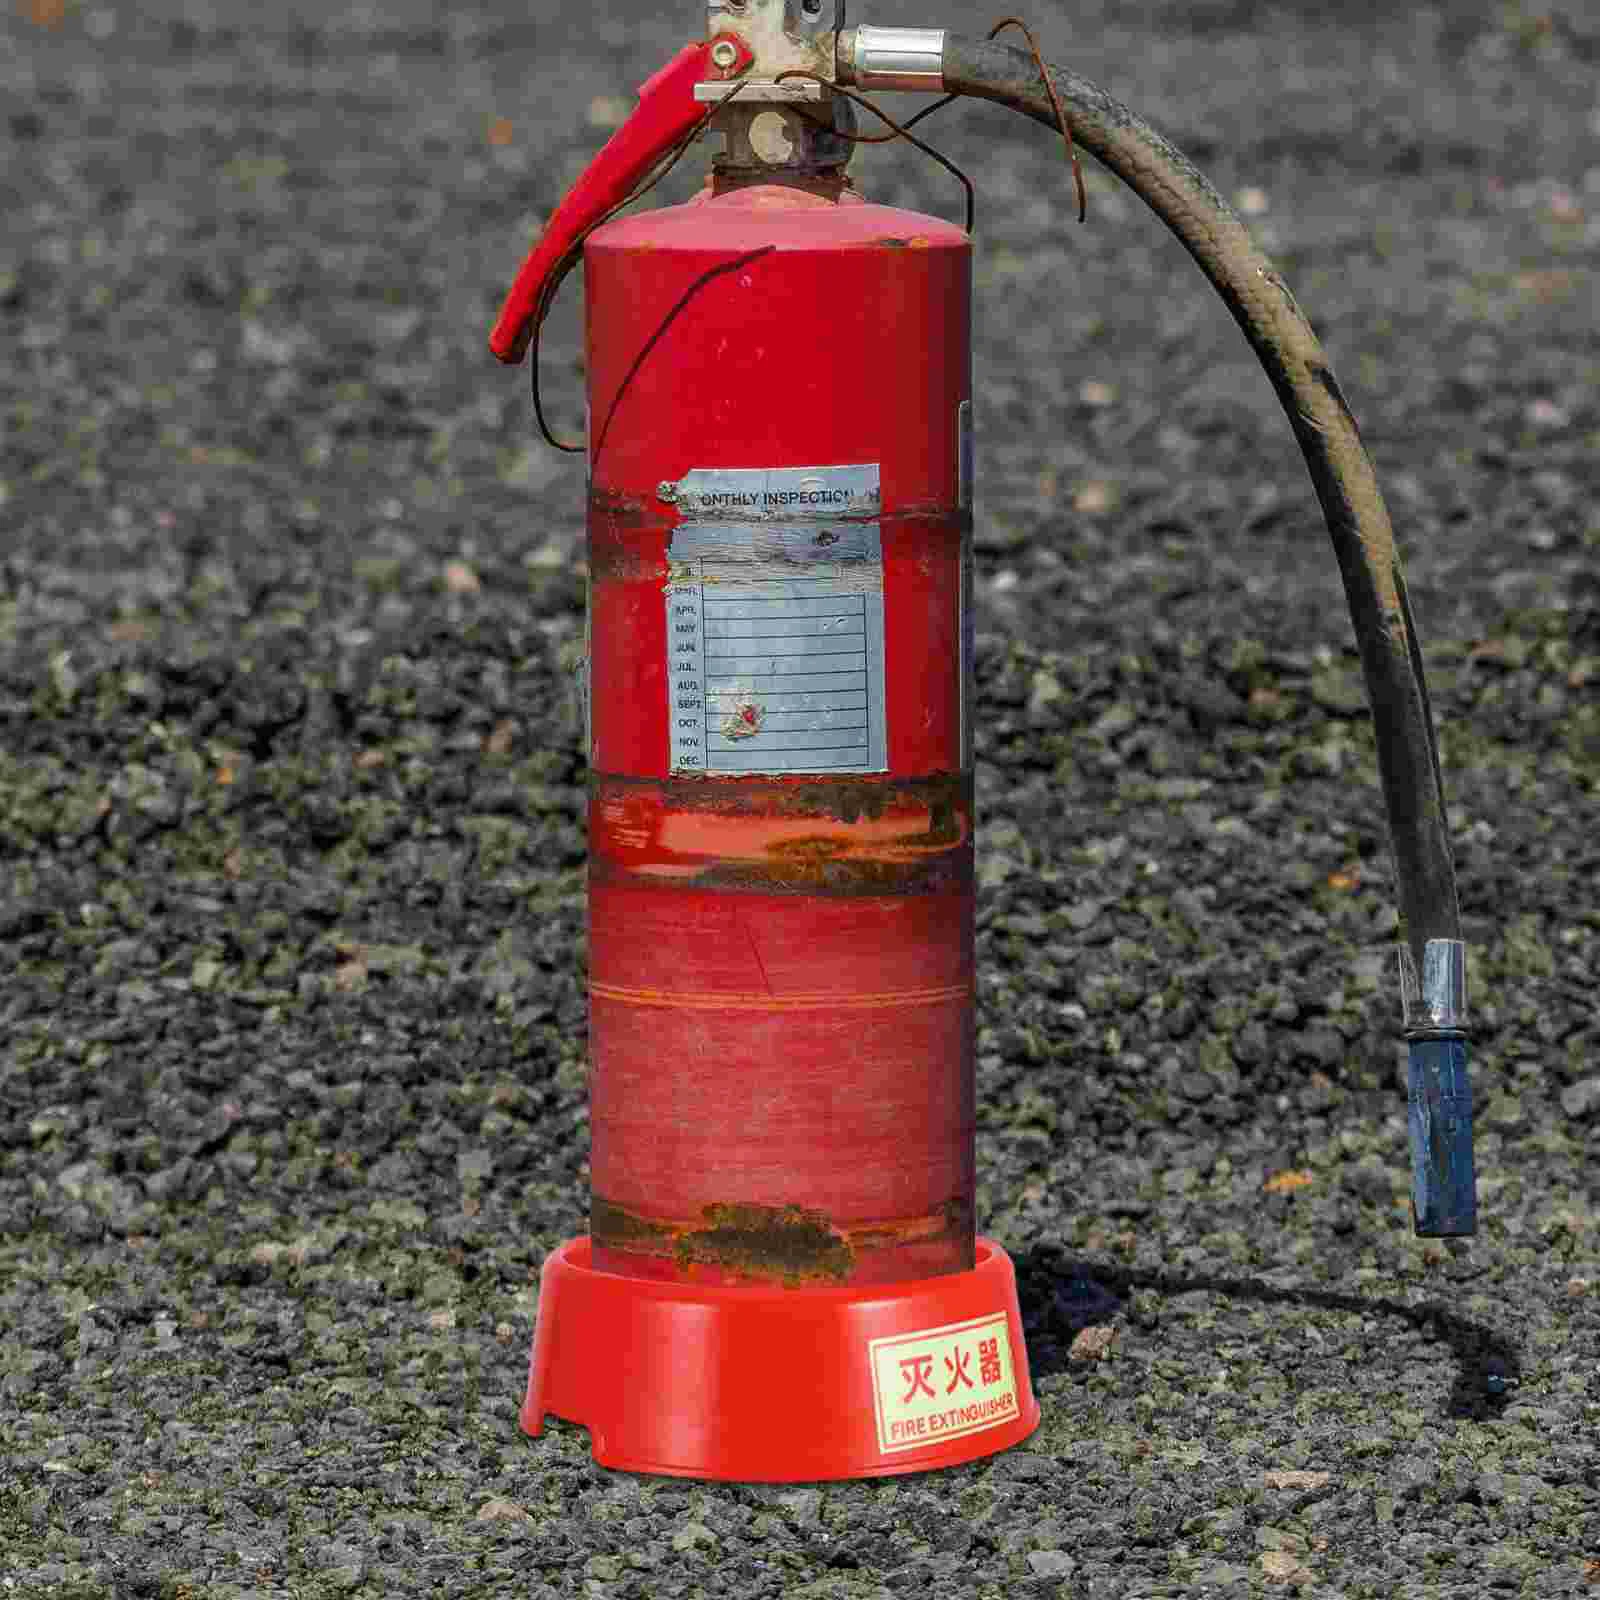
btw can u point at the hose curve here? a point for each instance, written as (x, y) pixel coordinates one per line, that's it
(1341, 471)
(1443, 1185)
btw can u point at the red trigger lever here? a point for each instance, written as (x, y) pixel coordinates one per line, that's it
(667, 113)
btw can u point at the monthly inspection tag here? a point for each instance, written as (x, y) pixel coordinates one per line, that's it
(774, 611)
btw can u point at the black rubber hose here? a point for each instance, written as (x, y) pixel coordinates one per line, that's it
(1443, 1188)
(1358, 521)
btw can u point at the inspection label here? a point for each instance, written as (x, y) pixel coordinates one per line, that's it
(942, 1383)
(774, 608)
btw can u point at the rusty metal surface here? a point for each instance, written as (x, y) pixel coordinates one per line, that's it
(627, 537)
(789, 1244)
(833, 836)
(623, 529)
(846, 800)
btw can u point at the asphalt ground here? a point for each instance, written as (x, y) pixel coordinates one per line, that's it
(291, 857)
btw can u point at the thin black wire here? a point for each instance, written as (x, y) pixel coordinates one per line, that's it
(660, 333)
(557, 278)
(1050, 89)
(563, 267)
(899, 133)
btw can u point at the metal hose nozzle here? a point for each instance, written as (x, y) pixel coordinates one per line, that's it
(1444, 1201)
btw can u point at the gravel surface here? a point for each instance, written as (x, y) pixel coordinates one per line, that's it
(291, 857)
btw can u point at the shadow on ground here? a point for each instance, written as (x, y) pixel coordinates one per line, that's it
(1061, 1295)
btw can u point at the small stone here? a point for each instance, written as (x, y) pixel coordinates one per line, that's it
(1285, 1478)
(1581, 1099)
(1510, 652)
(169, 1181)
(1092, 1344)
(1546, 414)
(350, 975)
(1285, 1008)
(803, 1505)
(1116, 718)
(1282, 1566)
(1094, 497)
(1052, 1564)
(1047, 691)
(1251, 1045)
(1287, 1182)
(1504, 1112)
(459, 578)
(502, 1511)
(1323, 1045)
(692, 1534)
(1373, 1181)
(1340, 690)
(474, 1166)
(1212, 703)
(440, 1286)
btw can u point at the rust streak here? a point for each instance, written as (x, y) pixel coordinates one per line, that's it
(792, 1243)
(844, 800)
(810, 847)
(615, 1226)
(854, 836)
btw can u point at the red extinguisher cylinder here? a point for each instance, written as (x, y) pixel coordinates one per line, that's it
(781, 811)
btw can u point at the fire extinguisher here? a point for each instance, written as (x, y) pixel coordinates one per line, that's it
(782, 1278)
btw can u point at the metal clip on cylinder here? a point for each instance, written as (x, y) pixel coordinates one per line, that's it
(1443, 1177)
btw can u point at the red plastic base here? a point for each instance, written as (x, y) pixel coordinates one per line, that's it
(758, 1384)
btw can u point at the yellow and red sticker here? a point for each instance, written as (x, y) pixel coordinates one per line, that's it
(942, 1383)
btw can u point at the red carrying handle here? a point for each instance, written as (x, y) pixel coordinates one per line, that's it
(667, 113)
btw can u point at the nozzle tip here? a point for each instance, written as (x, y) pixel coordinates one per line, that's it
(1444, 1198)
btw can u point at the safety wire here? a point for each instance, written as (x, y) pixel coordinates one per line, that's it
(902, 130)
(559, 275)
(899, 132)
(1055, 103)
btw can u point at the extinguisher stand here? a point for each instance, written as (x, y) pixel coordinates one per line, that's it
(770, 1384)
